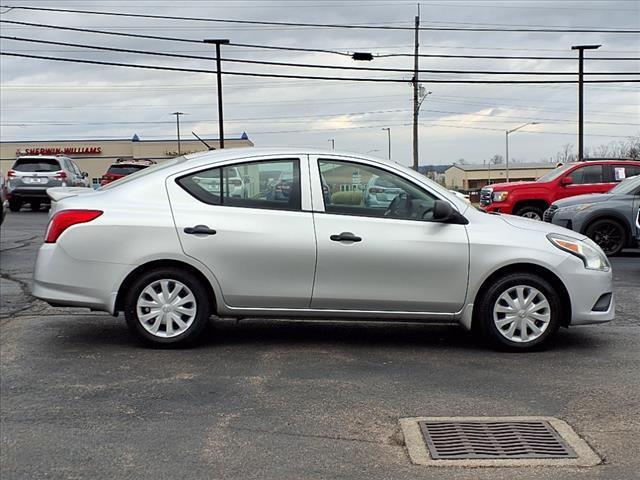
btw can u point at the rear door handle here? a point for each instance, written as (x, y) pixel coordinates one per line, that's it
(199, 230)
(345, 237)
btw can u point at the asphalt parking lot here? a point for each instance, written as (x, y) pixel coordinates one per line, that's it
(264, 399)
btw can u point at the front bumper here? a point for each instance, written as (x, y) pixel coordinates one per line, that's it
(499, 207)
(586, 289)
(62, 280)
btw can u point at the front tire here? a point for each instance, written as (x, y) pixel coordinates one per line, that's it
(167, 307)
(530, 211)
(608, 234)
(519, 312)
(15, 204)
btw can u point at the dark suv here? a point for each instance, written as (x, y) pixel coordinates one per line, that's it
(29, 178)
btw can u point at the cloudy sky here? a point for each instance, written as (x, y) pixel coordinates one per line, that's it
(45, 100)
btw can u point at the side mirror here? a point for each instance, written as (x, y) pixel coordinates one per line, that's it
(566, 181)
(443, 212)
(85, 174)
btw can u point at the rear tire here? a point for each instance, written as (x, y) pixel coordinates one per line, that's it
(519, 312)
(530, 211)
(609, 234)
(15, 204)
(167, 307)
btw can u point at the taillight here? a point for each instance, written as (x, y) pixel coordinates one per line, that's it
(11, 174)
(61, 175)
(67, 218)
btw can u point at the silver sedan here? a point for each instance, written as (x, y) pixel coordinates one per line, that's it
(169, 251)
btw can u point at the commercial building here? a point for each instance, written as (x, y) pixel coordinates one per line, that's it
(474, 177)
(95, 156)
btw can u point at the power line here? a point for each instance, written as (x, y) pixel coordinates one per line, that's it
(303, 65)
(324, 25)
(313, 50)
(307, 77)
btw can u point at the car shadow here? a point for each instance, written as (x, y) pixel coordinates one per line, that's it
(261, 333)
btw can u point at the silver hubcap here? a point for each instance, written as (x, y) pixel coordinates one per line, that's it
(521, 314)
(533, 215)
(166, 308)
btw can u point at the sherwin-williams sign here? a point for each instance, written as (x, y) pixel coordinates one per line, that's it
(59, 151)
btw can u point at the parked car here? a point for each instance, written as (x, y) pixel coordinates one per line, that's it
(30, 176)
(123, 167)
(210, 181)
(380, 192)
(531, 199)
(462, 196)
(4, 203)
(607, 218)
(427, 256)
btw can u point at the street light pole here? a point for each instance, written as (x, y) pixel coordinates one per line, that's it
(177, 114)
(388, 129)
(581, 49)
(217, 43)
(506, 136)
(415, 90)
(333, 143)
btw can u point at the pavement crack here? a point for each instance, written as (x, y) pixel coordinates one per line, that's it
(307, 435)
(23, 243)
(25, 290)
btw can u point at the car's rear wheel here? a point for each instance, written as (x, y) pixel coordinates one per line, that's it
(167, 307)
(35, 205)
(15, 204)
(530, 211)
(608, 234)
(519, 312)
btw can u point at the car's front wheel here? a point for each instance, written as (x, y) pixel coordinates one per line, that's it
(519, 312)
(15, 204)
(530, 211)
(167, 307)
(608, 234)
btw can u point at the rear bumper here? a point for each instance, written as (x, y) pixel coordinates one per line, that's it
(62, 280)
(29, 192)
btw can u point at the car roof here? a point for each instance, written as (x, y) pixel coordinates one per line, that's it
(41, 157)
(215, 156)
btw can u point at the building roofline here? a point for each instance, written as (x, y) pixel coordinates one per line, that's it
(226, 139)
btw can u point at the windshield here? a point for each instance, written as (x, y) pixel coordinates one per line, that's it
(553, 174)
(125, 169)
(142, 173)
(626, 186)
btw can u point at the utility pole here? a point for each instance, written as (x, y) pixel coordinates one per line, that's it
(333, 143)
(177, 114)
(415, 91)
(581, 49)
(388, 129)
(219, 42)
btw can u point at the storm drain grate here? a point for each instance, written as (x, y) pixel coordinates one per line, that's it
(493, 440)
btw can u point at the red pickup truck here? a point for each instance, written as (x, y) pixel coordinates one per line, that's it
(531, 199)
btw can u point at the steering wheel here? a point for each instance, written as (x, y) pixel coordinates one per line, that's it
(400, 206)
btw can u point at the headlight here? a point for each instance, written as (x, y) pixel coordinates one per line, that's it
(586, 250)
(576, 208)
(500, 196)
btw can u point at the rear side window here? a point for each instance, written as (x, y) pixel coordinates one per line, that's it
(587, 174)
(620, 172)
(273, 184)
(36, 165)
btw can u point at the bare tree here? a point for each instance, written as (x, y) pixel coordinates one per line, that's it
(497, 159)
(567, 154)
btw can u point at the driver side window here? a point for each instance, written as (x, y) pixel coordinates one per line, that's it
(355, 189)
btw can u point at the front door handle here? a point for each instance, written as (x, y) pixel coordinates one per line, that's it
(199, 230)
(345, 237)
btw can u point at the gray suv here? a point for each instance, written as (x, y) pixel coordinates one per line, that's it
(609, 219)
(29, 178)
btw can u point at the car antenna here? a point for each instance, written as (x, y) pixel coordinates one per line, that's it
(208, 146)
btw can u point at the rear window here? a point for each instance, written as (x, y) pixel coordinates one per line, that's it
(36, 165)
(125, 169)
